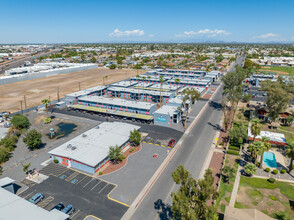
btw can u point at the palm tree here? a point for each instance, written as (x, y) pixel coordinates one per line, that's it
(266, 145)
(290, 153)
(46, 102)
(255, 127)
(106, 79)
(228, 173)
(115, 153)
(144, 78)
(250, 169)
(138, 77)
(256, 149)
(25, 167)
(177, 81)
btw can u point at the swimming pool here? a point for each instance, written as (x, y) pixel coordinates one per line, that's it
(269, 159)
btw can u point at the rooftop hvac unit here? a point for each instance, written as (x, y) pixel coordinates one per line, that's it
(84, 135)
(69, 146)
(97, 127)
(73, 147)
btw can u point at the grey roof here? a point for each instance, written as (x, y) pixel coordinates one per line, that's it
(167, 109)
(92, 147)
(125, 83)
(139, 91)
(118, 102)
(13, 207)
(86, 91)
(5, 181)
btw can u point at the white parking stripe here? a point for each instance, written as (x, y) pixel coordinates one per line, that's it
(95, 185)
(103, 188)
(88, 182)
(27, 196)
(75, 214)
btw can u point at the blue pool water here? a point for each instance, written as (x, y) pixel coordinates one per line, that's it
(269, 159)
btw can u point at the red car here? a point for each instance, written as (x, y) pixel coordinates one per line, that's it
(172, 143)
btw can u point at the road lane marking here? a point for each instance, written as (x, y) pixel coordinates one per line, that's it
(75, 214)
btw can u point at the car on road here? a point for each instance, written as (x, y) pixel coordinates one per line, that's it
(171, 143)
(37, 198)
(69, 209)
(58, 207)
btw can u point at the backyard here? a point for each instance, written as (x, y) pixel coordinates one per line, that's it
(278, 69)
(274, 199)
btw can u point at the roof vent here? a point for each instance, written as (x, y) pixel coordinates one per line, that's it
(73, 147)
(97, 127)
(69, 146)
(84, 135)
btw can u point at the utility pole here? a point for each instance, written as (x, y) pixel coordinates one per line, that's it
(50, 104)
(25, 101)
(79, 86)
(58, 98)
(21, 107)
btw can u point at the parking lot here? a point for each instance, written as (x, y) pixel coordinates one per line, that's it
(88, 195)
(161, 140)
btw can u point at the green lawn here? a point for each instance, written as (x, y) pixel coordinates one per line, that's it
(289, 70)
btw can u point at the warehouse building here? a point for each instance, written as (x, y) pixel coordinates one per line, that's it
(166, 116)
(72, 98)
(88, 152)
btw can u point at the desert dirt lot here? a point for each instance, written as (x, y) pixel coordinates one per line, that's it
(38, 89)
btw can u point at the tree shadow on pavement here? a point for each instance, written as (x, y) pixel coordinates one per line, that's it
(215, 105)
(164, 210)
(216, 126)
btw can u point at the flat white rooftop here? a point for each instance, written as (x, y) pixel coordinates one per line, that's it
(92, 147)
(139, 91)
(167, 109)
(276, 137)
(86, 91)
(124, 83)
(118, 102)
(13, 207)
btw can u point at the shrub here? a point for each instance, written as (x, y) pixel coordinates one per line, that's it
(222, 144)
(4, 154)
(233, 152)
(132, 150)
(267, 170)
(55, 160)
(250, 169)
(47, 120)
(231, 147)
(271, 180)
(20, 121)
(275, 171)
(123, 157)
(33, 139)
(100, 173)
(9, 142)
(273, 197)
(257, 164)
(283, 171)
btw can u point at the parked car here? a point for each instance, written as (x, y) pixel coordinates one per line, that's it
(59, 207)
(37, 198)
(172, 143)
(69, 209)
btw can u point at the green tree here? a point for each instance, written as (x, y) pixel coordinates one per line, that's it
(250, 169)
(9, 142)
(20, 121)
(237, 133)
(247, 97)
(290, 118)
(112, 66)
(290, 153)
(135, 137)
(93, 59)
(177, 81)
(32, 139)
(266, 145)
(4, 154)
(190, 201)
(228, 173)
(278, 98)
(255, 127)
(46, 102)
(115, 154)
(25, 167)
(256, 149)
(83, 57)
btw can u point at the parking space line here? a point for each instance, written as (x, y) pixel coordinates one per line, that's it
(46, 201)
(157, 144)
(103, 188)
(92, 217)
(82, 179)
(75, 214)
(73, 175)
(163, 145)
(150, 143)
(27, 196)
(144, 142)
(96, 185)
(88, 182)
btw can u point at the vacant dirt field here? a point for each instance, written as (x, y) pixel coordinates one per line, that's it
(38, 89)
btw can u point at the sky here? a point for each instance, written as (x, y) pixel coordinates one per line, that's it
(110, 21)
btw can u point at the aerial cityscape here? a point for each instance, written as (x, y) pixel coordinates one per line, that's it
(150, 110)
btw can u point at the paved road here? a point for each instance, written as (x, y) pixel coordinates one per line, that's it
(191, 154)
(21, 61)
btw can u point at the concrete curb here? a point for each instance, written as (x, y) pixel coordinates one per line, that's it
(158, 172)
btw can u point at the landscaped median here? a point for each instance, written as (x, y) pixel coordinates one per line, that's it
(274, 199)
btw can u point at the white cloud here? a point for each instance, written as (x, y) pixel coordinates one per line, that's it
(292, 38)
(151, 35)
(204, 32)
(118, 33)
(266, 36)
